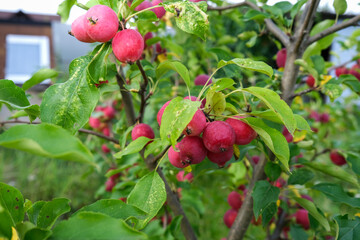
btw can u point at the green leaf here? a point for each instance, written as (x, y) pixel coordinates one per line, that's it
(134, 147)
(177, 66)
(336, 193)
(298, 233)
(34, 210)
(255, 15)
(70, 104)
(275, 141)
(154, 146)
(223, 83)
(349, 229)
(37, 233)
(279, 106)
(39, 76)
(311, 208)
(268, 213)
(6, 222)
(250, 64)
(64, 9)
(190, 17)
(215, 102)
(135, 3)
(272, 170)
(300, 176)
(176, 117)
(307, 68)
(332, 90)
(334, 171)
(319, 63)
(94, 226)
(149, 195)
(264, 194)
(98, 67)
(340, 6)
(46, 140)
(354, 160)
(296, 8)
(15, 97)
(351, 81)
(12, 201)
(114, 208)
(301, 123)
(50, 211)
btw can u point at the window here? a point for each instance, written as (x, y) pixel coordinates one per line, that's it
(25, 54)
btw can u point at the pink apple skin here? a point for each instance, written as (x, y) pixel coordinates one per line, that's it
(234, 200)
(314, 115)
(255, 159)
(221, 158)
(337, 158)
(160, 11)
(109, 112)
(302, 218)
(192, 150)
(161, 112)
(218, 136)
(102, 23)
(324, 118)
(142, 130)
(202, 79)
(109, 185)
(128, 45)
(243, 132)
(105, 148)
(145, 4)
(181, 178)
(287, 135)
(197, 0)
(341, 71)
(174, 158)
(229, 217)
(106, 131)
(197, 124)
(193, 98)
(147, 36)
(281, 58)
(78, 29)
(94, 122)
(310, 81)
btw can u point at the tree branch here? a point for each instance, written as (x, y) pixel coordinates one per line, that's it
(304, 92)
(320, 153)
(80, 130)
(280, 224)
(127, 99)
(245, 213)
(270, 25)
(351, 22)
(142, 92)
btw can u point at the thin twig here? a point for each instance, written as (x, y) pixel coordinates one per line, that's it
(304, 92)
(280, 224)
(340, 65)
(222, 8)
(142, 92)
(127, 99)
(351, 22)
(320, 153)
(80, 130)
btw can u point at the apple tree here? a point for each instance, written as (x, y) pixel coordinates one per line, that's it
(206, 119)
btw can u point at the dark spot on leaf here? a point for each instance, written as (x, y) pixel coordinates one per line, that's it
(8, 190)
(16, 207)
(17, 199)
(47, 216)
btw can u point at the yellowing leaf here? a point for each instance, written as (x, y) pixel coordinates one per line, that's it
(15, 236)
(298, 100)
(162, 57)
(236, 151)
(299, 135)
(325, 79)
(188, 169)
(278, 203)
(294, 190)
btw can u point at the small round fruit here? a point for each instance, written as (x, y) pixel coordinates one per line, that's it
(161, 112)
(94, 122)
(78, 30)
(145, 4)
(310, 81)
(255, 159)
(109, 185)
(197, 124)
(142, 130)
(337, 158)
(243, 132)
(202, 79)
(218, 136)
(102, 23)
(181, 178)
(192, 150)
(106, 131)
(287, 135)
(281, 58)
(159, 11)
(147, 36)
(128, 45)
(221, 158)
(324, 118)
(109, 112)
(174, 158)
(229, 217)
(302, 218)
(341, 71)
(105, 148)
(234, 199)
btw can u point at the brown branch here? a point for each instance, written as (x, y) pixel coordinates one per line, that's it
(270, 25)
(304, 92)
(245, 213)
(320, 153)
(80, 130)
(280, 224)
(340, 65)
(127, 100)
(142, 92)
(351, 22)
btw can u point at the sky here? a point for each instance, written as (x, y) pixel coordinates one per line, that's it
(50, 6)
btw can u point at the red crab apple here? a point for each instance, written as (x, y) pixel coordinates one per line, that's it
(102, 23)
(78, 30)
(128, 45)
(229, 217)
(161, 112)
(147, 36)
(302, 218)
(197, 0)
(310, 81)
(142, 130)
(281, 58)
(202, 79)
(192, 150)
(341, 71)
(106, 131)
(218, 136)
(324, 118)
(105, 148)
(235, 200)
(145, 4)
(337, 158)
(243, 132)
(109, 112)
(181, 178)
(94, 122)
(220, 158)
(196, 125)
(256, 159)
(287, 135)
(174, 158)
(159, 11)
(109, 184)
